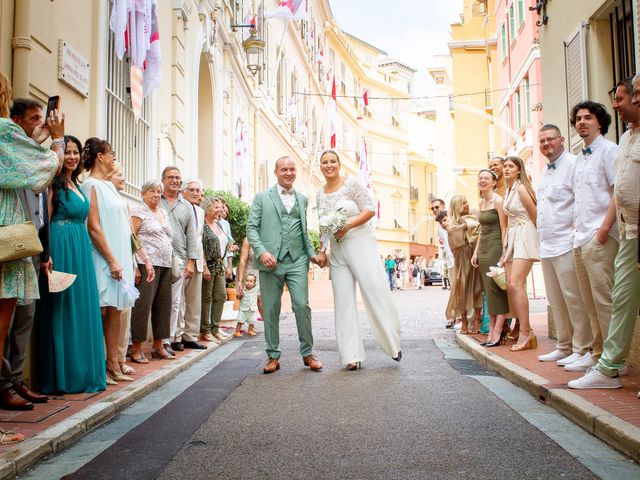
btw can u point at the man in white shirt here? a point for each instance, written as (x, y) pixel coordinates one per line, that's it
(555, 225)
(189, 326)
(595, 240)
(626, 291)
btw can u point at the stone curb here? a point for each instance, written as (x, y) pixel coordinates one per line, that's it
(61, 435)
(612, 430)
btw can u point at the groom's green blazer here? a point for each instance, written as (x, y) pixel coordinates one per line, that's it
(283, 234)
(265, 229)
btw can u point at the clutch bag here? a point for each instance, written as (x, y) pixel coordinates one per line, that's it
(19, 241)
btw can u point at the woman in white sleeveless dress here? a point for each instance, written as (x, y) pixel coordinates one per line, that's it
(354, 259)
(521, 246)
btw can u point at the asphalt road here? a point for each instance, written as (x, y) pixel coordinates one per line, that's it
(428, 417)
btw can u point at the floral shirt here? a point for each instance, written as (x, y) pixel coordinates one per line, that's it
(155, 236)
(213, 256)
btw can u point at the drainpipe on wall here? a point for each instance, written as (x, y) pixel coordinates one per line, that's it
(21, 45)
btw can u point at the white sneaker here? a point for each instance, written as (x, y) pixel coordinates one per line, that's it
(570, 359)
(581, 365)
(594, 379)
(553, 356)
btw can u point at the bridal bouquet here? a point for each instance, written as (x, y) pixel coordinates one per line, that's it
(332, 221)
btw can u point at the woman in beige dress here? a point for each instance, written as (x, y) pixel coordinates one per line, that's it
(466, 290)
(520, 245)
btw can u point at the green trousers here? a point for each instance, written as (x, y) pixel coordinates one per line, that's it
(214, 294)
(625, 299)
(294, 274)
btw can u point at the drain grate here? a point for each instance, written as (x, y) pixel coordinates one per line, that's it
(470, 367)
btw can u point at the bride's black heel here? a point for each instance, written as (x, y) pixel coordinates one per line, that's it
(398, 357)
(354, 366)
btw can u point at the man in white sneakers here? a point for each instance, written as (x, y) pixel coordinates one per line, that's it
(626, 291)
(595, 240)
(555, 225)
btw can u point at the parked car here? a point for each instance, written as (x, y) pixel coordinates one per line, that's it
(433, 276)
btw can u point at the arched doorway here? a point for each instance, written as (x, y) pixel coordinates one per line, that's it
(205, 121)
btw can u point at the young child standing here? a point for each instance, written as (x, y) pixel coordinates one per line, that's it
(248, 306)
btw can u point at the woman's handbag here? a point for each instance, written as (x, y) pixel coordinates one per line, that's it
(19, 241)
(499, 276)
(136, 244)
(176, 271)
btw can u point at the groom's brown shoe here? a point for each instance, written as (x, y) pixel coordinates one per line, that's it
(271, 366)
(311, 362)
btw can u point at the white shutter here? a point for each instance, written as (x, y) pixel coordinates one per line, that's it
(576, 77)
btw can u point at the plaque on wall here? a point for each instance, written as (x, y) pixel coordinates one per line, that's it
(73, 68)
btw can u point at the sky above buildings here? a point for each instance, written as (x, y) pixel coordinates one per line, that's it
(412, 31)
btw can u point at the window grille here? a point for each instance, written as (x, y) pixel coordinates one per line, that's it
(622, 48)
(130, 139)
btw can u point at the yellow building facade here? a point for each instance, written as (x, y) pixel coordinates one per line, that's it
(473, 58)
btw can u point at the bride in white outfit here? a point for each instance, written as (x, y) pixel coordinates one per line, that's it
(354, 258)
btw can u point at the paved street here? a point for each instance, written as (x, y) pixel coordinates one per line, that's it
(437, 414)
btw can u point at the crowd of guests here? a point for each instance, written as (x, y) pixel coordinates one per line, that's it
(403, 273)
(163, 263)
(581, 224)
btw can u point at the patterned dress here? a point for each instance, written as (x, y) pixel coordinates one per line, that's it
(23, 164)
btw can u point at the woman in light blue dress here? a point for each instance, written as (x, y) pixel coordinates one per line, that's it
(110, 231)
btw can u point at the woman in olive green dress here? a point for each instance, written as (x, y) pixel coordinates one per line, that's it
(488, 251)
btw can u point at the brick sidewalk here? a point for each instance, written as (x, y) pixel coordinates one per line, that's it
(546, 380)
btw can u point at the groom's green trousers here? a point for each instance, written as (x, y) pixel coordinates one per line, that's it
(294, 274)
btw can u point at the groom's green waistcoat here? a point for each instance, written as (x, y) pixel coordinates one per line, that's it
(292, 235)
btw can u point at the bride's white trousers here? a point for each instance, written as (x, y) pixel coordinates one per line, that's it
(356, 260)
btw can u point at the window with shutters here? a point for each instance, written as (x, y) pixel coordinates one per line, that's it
(621, 21)
(130, 138)
(281, 86)
(527, 100)
(518, 110)
(503, 40)
(520, 12)
(512, 25)
(576, 78)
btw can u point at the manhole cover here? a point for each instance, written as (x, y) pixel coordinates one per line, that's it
(470, 367)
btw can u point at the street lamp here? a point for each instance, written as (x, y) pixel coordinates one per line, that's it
(253, 46)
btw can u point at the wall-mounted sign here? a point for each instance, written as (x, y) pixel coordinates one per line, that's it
(73, 68)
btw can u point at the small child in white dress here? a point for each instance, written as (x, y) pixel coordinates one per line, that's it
(248, 307)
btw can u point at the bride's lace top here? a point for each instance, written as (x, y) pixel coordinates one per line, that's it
(352, 197)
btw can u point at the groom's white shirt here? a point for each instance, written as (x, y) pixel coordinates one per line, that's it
(288, 197)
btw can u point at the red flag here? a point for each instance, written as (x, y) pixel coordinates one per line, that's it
(334, 113)
(365, 98)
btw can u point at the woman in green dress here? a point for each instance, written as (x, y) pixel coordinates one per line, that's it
(69, 334)
(488, 251)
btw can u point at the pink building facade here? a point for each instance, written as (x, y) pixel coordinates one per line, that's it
(518, 90)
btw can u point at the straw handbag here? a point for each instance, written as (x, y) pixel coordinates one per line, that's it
(19, 241)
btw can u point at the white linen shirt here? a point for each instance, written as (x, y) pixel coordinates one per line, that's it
(288, 197)
(627, 189)
(555, 207)
(594, 178)
(444, 241)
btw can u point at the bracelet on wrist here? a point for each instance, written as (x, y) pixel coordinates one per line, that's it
(57, 142)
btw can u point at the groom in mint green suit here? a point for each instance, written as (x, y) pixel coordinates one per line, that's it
(277, 231)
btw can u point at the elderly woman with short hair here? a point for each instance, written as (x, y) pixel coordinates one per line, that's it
(215, 243)
(151, 225)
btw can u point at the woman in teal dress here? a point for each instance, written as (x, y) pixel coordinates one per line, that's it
(69, 334)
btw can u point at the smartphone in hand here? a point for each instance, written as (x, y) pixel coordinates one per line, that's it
(52, 104)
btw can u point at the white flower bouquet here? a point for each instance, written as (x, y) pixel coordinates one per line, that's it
(332, 221)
